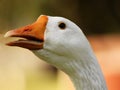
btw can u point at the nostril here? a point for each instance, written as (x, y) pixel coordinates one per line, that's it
(27, 30)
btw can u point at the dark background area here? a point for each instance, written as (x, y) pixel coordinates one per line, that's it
(93, 16)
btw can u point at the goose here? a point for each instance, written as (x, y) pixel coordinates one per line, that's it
(61, 43)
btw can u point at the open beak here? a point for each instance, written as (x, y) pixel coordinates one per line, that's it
(33, 35)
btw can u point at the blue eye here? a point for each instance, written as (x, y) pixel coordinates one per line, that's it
(62, 25)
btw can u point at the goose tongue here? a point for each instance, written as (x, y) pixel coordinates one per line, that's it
(27, 43)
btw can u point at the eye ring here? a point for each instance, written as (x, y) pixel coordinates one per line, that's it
(62, 25)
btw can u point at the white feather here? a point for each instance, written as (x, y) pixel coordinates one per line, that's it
(70, 51)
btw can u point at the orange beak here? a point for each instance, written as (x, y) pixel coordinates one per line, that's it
(33, 34)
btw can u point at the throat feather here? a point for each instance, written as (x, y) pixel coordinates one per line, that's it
(86, 76)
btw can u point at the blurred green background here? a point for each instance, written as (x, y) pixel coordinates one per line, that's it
(20, 69)
(96, 16)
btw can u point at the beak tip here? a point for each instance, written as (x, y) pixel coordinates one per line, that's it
(7, 34)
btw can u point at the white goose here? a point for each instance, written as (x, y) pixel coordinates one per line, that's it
(62, 44)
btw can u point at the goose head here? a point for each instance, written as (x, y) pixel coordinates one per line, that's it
(61, 43)
(49, 36)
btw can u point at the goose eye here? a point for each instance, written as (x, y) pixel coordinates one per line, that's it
(62, 25)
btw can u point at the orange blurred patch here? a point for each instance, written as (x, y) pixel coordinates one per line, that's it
(107, 50)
